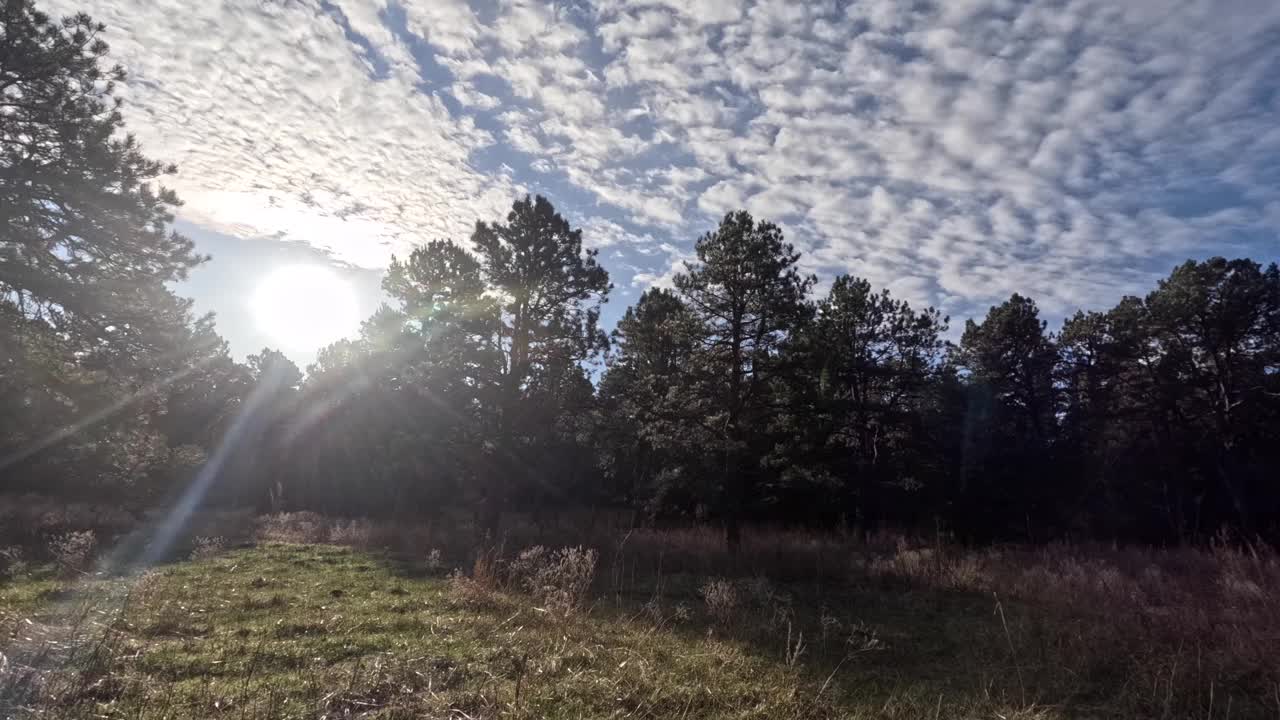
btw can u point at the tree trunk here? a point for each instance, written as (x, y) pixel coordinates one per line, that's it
(490, 516)
(1226, 471)
(732, 485)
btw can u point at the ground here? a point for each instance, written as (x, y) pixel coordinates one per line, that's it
(283, 630)
(306, 631)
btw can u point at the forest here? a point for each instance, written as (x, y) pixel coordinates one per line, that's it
(487, 385)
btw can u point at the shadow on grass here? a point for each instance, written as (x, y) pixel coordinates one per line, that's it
(858, 644)
(862, 644)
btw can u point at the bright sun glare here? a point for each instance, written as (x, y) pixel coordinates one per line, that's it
(305, 307)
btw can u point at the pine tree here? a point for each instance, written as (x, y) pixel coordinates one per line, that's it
(1011, 424)
(871, 360)
(92, 333)
(747, 294)
(549, 291)
(650, 458)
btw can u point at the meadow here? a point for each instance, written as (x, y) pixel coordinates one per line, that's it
(301, 616)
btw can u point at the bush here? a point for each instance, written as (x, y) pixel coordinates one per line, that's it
(296, 527)
(207, 547)
(721, 598)
(12, 564)
(28, 521)
(480, 589)
(356, 533)
(74, 550)
(470, 593)
(434, 561)
(561, 579)
(524, 569)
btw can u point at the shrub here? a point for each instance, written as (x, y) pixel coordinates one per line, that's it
(12, 564)
(759, 591)
(468, 592)
(484, 569)
(480, 589)
(74, 550)
(356, 533)
(682, 613)
(561, 579)
(652, 610)
(295, 527)
(207, 547)
(524, 569)
(434, 561)
(862, 638)
(721, 598)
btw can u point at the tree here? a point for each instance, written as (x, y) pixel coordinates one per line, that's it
(86, 244)
(549, 292)
(732, 396)
(93, 334)
(747, 295)
(649, 457)
(1009, 361)
(469, 383)
(447, 326)
(561, 426)
(1216, 325)
(871, 360)
(274, 370)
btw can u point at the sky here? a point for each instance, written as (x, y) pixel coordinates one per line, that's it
(953, 151)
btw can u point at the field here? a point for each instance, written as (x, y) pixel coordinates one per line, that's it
(301, 617)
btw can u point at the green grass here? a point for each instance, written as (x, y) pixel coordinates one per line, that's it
(294, 631)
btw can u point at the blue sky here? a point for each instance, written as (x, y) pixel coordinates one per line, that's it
(953, 151)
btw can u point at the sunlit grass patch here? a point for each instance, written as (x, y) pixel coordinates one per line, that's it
(306, 631)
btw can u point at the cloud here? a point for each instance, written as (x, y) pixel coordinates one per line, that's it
(598, 232)
(676, 262)
(280, 127)
(954, 151)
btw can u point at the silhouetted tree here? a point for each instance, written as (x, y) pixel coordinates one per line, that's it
(871, 360)
(549, 290)
(653, 449)
(1011, 420)
(93, 335)
(1215, 324)
(747, 295)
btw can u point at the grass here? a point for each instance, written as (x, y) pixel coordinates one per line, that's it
(360, 620)
(295, 631)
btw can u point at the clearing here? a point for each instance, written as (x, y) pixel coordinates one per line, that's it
(305, 631)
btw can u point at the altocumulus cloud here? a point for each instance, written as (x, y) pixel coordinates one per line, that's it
(954, 151)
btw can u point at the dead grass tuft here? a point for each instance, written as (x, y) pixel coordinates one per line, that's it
(560, 579)
(721, 598)
(207, 547)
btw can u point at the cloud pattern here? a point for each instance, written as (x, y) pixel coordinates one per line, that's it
(954, 151)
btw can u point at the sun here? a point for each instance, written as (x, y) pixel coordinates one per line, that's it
(305, 307)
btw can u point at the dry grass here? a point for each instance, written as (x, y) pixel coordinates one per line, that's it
(1053, 631)
(560, 579)
(1185, 622)
(336, 633)
(722, 600)
(1189, 626)
(73, 534)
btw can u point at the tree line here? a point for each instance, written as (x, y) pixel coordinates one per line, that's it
(487, 384)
